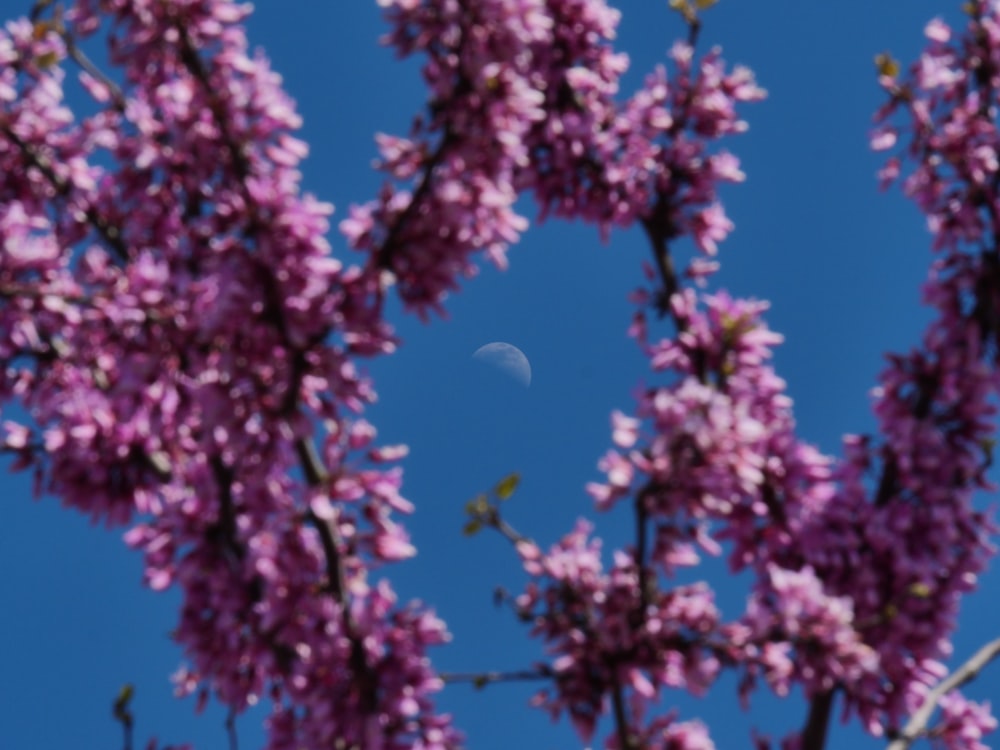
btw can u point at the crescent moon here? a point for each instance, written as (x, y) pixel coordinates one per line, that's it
(508, 359)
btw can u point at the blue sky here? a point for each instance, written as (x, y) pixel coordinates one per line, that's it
(840, 262)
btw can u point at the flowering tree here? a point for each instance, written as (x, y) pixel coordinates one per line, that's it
(182, 346)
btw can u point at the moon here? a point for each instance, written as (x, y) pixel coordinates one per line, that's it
(508, 359)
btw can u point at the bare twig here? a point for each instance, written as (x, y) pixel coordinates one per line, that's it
(482, 679)
(87, 65)
(231, 730)
(75, 53)
(917, 725)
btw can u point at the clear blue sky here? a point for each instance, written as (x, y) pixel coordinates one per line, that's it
(840, 262)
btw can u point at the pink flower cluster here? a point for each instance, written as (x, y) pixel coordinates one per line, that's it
(710, 460)
(523, 99)
(719, 447)
(606, 634)
(936, 404)
(819, 646)
(963, 724)
(175, 327)
(858, 582)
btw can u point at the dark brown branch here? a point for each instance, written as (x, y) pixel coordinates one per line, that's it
(330, 539)
(312, 465)
(625, 738)
(658, 232)
(329, 534)
(646, 584)
(817, 722)
(693, 30)
(384, 256)
(917, 725)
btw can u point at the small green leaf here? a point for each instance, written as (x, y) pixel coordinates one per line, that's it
(46, 60)
(478, 506)
(920, 590)
(506, 486)
(121, 704)
(886, 65)
(125, 694)
(472, 528)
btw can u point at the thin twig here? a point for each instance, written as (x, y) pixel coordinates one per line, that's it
(85, 63)
(76, 54)
(231, 730)
(917, 725)
(482, 679)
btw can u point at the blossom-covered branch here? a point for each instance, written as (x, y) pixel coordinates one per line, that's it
(186, 344)
(193, 357)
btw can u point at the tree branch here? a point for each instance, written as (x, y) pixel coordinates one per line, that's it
(626, 739)
(814, 732)
(917, 724)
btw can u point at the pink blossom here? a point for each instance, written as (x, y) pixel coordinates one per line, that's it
(963, 723)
